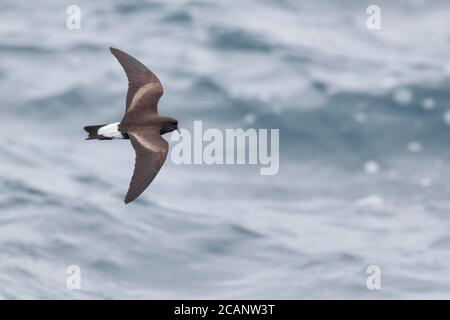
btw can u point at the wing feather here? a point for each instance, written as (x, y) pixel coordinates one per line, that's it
(151, 153)
(144, 87)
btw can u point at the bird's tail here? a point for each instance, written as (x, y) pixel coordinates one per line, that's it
(93, 132)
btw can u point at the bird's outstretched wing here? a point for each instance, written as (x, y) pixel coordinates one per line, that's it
(144, 87)
(151, 152)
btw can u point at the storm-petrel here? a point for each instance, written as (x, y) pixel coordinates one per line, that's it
(141, 124)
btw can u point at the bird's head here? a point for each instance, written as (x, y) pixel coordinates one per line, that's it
(169, 125)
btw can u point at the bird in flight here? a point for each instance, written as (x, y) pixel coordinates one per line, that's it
(141, 124)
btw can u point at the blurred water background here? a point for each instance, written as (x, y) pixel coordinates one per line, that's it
(364, 119)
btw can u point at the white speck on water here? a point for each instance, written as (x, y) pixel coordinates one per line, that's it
(360, 117)
(373, 201)
(447, 69)
(426, 182)
(389, 82)
(447, 117)
(428, 103)
(249, 118)
(403, 96)
(371, 167)
(414, 147)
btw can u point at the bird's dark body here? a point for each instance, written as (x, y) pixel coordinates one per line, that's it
(165, 124)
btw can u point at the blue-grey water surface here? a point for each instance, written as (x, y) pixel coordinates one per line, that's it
(364, 151)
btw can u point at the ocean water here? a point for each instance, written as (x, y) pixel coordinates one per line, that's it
(364, 179)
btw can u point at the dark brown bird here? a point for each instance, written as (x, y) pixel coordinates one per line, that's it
(141, 124)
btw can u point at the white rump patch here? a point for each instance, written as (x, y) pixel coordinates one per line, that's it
(111, 131)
